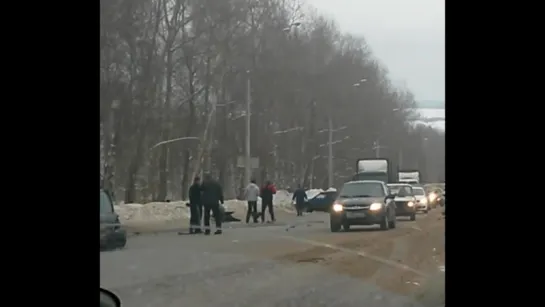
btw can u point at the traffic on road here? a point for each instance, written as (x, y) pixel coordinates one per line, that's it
(397, 258)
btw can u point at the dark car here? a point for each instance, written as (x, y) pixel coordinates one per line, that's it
(321, 202)
(111, 234)
(364, 202)
(404, 200)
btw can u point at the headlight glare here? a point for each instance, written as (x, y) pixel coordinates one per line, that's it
(337, 207)
(375, 206)
(410, 204)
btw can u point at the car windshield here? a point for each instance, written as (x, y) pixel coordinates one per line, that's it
(401, 190)
(419, 191)
(105, 203)
(362, 189)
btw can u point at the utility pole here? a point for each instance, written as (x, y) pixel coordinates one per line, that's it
(330, 155)
(377, 148)
(248, 166)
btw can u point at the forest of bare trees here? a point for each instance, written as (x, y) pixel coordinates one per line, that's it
(180, 68)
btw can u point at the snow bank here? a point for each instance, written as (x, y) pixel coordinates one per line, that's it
(160, 212)
(173, 211)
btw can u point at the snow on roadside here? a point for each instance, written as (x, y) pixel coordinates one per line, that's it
(158, 212)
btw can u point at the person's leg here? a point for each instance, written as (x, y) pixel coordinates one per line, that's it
(254, 211)
(206, 219)
(193, 218)
(271, 211)
(249, 212)
(199, 219)
(263, 208)
(218, 218)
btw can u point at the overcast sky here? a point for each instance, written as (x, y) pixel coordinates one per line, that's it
(408, 36)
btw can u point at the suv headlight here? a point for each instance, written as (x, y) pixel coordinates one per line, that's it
(410, 204)
(424, 201)
(337, 207)
(375, 207)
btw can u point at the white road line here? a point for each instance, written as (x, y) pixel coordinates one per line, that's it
(358, 253)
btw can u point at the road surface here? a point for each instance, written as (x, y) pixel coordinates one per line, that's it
(299, 264)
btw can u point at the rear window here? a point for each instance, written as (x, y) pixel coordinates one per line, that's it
(326, 195)
(105, 203)
(418, 191)
(401, 190)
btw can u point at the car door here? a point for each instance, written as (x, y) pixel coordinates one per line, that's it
(108, 218)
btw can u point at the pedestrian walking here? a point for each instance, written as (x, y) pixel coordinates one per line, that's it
(267, 193)
(212, 197)
(251, 193)
(300, 197)
(195, 206)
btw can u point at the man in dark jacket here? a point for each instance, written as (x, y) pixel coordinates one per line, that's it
(300, 197)
(195, 206)
(212, 196)
(267, 193)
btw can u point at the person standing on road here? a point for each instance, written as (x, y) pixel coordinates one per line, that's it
(300, 197)
(212, 196)
(251, 194)
(195, 206)
(267, 193)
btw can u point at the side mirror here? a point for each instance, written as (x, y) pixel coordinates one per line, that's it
(108, 299)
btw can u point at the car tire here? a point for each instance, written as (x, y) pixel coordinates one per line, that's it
(426, 211)
(413, 217)
(334, 226)
(346, 226)
(385, 224)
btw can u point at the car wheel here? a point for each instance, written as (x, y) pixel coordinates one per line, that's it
(426, 211)
(413, 217)
(385, 224)
(346, 226)
(335, 226)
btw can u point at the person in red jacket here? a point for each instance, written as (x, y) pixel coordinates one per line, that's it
(267, 192)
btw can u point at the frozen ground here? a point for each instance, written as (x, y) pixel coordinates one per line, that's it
(162, 212)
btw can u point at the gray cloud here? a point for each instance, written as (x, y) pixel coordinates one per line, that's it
(408, 36)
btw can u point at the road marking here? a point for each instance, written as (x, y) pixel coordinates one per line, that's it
(358, 253)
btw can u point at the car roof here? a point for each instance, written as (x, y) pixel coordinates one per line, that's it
(364, 181)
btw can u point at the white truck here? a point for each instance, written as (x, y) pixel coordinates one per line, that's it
(410, 177)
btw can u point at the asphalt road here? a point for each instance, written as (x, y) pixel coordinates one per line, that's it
(299, 263)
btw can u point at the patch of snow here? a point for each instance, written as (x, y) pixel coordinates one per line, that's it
(177, 210)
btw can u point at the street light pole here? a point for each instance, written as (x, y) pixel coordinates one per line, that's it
(248, 166)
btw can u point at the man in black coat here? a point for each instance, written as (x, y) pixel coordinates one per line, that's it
(195, 206)
(300, 197)
(212, 196)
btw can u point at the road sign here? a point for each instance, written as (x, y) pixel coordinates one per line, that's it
(241, 162)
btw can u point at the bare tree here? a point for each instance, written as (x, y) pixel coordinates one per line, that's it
(178, 69)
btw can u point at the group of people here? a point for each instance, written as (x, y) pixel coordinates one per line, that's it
(251, 193)
(205, 198)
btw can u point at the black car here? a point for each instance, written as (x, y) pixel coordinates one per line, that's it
(111, 234)
(404, 200)
(364, 202)
(321, 202)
